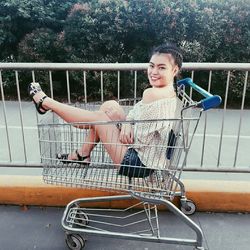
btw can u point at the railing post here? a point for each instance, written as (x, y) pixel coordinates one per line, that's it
(241, 114)
(21, 115)
(5, 116)
(223, 118)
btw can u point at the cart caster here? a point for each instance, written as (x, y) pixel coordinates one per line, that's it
(187, 206)
(74, 241)
(82, 218)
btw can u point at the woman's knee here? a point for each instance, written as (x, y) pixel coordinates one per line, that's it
(109, 104)
(113, 110)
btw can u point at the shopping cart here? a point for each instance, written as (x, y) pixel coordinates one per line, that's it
(151, 186)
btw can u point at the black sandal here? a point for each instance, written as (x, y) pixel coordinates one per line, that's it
(64, 158)
(33, 89)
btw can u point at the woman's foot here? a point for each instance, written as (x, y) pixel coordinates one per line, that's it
(38, 97)
(78, 156)
(74, 157)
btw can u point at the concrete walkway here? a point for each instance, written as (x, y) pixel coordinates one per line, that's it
(28, 228)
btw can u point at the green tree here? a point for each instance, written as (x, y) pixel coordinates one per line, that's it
(21, 17)
(124, 31)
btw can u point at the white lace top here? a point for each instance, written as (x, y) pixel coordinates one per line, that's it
(151, 138)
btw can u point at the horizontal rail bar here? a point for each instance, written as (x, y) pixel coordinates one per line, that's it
(186, 169)
(222, 170)
(20, 165)
(119, 66)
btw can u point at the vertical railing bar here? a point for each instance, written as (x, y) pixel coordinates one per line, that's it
(241, 114)
(33, 76)
(37, 121)
(51, 84)
(53, 117)
(205, 121)
(21, 115)
(223, 117)
(68, 87)
(135, 87)
(85, 87)
(118, 85)
(34, 80)
(5, 115)
(102, 86)
(191, 89)
(190, 94)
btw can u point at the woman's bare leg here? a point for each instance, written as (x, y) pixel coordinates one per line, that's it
(66, 112)
(109, 136)
(73, 115)
(86, 148)
(113, 111)
(107, 132)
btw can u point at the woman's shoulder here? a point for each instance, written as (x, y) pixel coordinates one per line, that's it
(149, 95)
(153, 95)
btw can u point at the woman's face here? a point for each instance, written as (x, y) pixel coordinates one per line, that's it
(161, 70)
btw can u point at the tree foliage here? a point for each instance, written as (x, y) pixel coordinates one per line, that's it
(123, 30)
(21, 17)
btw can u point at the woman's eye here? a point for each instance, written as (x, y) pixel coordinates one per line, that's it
(162, 68)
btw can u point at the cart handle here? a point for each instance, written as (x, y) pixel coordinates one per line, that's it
(211, 101)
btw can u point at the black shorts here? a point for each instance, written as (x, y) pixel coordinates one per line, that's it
(132, 166)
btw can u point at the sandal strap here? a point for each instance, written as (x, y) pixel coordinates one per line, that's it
(81, 158)
(40, 103)
(62, 156)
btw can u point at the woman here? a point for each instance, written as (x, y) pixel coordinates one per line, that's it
(158, 102)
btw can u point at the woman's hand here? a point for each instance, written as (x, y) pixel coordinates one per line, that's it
(127, 134)
(115, 113)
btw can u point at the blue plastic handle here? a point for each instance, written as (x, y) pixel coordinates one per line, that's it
(211, 101)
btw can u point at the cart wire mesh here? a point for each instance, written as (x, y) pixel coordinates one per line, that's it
(160, 176)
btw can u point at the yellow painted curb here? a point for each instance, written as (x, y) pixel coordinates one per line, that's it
(208, 195)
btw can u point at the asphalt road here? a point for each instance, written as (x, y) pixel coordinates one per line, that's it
(30, 145)
(38, 228)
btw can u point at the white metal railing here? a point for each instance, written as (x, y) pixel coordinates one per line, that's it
(218, 150)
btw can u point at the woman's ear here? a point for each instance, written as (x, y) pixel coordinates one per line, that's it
(175, 70)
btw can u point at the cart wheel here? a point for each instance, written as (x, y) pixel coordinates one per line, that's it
(74, 241)
(188, 207)
(82, 218)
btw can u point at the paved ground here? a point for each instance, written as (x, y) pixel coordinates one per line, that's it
(39, 228)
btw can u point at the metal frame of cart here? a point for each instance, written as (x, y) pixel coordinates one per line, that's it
(154, 186)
